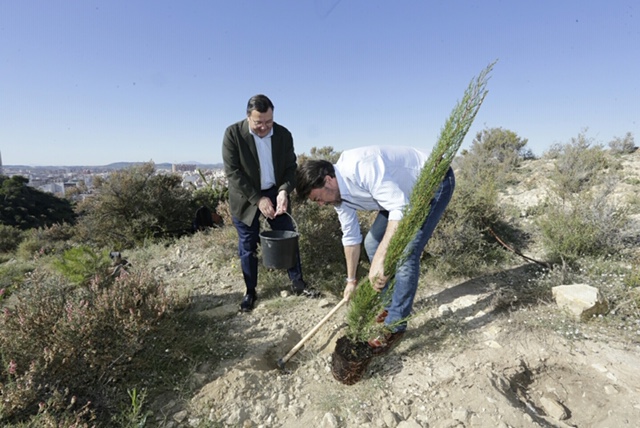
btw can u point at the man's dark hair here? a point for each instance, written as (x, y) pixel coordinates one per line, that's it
(260, 103)
(311, 174)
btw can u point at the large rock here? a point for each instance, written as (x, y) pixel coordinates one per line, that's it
(581, 300)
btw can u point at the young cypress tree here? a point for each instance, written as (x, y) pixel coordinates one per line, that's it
(366, 303)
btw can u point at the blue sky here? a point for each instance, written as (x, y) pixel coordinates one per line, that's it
(88, 82)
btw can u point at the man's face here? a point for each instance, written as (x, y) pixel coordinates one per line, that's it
(329, 194)
(261, 123)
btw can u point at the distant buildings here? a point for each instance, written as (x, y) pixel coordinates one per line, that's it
(59, 180)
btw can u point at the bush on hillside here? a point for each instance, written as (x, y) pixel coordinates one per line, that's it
(321, 248)
(589, 224)
(68, 350)
(462, 245)
(45, 241)
(80, 264)
(326, 153)
(134, 205)
(494, 155)
(10, 238)
(578, 165)
(25, 207)
(623, 145)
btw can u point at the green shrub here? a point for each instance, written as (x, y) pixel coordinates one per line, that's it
(588, 225)
(462, 244)
(622, 145)
(12, 275)
(26, 207)
(135, 205)
(69, 350)
(494, 155)
(80, 264)
(10, 238)
(578, 165)
(45, 241)
(321, 248)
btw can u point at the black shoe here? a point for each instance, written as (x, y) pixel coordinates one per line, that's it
(248, 301)
(299, 288)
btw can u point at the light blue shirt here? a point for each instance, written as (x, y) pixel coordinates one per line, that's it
(265, 157)
(375, 178)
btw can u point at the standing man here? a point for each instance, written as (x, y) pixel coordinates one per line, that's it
(260, 165)
(377, 178)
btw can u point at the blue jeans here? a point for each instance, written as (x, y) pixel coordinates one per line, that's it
(407, 274)
(248, 237)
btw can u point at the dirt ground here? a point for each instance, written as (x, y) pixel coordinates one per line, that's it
(471, 358)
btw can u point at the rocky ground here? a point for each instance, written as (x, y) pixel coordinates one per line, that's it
(471, 358)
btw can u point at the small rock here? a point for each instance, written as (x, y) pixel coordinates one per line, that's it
(610, 389)
(581, 300)
(324, 303)
(329, 421)
(409, 423)
(553, 407)
(460, 414)
(390, 418)
(444, 310)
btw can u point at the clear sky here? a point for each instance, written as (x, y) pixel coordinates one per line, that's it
(91, 82)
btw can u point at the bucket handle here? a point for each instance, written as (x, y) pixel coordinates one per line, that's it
(295, 225)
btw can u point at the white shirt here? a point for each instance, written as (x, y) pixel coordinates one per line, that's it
(375, 178)
(265, 157)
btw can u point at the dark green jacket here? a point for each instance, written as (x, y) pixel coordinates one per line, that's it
(242, 167)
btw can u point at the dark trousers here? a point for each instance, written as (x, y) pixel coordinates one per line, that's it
(248, 238)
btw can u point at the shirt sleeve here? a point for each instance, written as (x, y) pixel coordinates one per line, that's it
(351, 234)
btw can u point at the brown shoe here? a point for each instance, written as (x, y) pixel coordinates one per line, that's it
(381, 316)
(385, 342)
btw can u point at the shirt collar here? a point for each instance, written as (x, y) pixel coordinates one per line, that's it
(256, 135)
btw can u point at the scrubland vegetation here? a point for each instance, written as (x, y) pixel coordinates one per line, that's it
(85, 343)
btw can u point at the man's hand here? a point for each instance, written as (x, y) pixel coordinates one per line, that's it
(266, 208)
(349, 289)
(378, 279)
(283, 202)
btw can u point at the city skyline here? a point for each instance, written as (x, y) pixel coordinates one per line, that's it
(99, 82)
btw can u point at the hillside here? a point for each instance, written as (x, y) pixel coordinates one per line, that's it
(476, 353)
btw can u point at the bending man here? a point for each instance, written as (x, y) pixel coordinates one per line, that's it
(377, 178)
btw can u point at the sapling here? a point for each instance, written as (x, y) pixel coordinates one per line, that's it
(366, 303)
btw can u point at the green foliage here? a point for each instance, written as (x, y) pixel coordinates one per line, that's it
(462, 245)
(622, 145)
(12, 275)
(211, 194)
(588, 225)
(432, 174)
(26, 207)
(135, 205)
(578, 165)
(494, 155)
(320, 240)
(10, 237)
(580, 217)
(326, 153)
(80, 264)
(45, 241)
(64, 345)
(134, 416)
